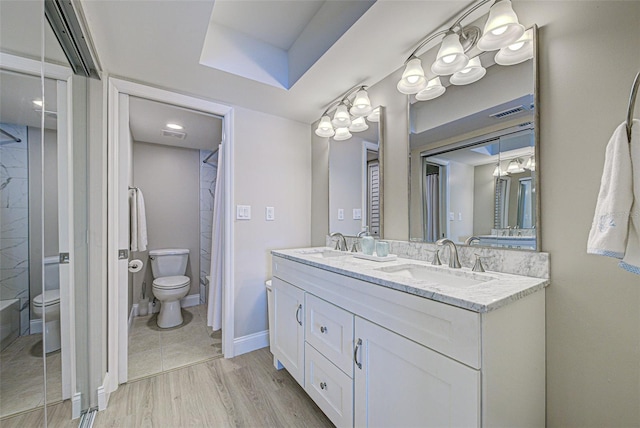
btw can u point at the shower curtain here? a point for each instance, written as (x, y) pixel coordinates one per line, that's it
(214, 312)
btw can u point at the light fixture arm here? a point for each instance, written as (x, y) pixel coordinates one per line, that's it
(343, 99)
(456, 28)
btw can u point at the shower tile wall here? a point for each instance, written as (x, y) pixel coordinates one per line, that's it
(208, 174)
(14, 220)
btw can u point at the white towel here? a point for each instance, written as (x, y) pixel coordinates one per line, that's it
(631, 260)
(615, 227)
(138, 221)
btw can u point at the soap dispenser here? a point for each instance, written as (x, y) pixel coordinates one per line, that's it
(367, 243)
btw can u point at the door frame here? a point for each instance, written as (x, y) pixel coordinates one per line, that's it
(63, 75)
(118, 311)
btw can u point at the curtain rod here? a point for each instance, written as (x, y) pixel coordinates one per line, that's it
(16, 139)
(211, 154)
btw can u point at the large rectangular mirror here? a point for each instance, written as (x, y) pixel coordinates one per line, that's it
(355, 177)
(473, 157)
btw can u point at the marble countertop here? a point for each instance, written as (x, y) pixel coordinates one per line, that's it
(475, 291)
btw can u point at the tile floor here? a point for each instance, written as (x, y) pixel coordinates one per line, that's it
(21, 376)
(154, 350)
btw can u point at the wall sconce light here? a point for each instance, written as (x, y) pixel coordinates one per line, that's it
(531, 163)
(515, 166)
(349, 115)
(433, 90)
(502, 30)
(498, 171)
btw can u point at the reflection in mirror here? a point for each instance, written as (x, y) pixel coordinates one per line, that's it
(355, 194)
(473, 161)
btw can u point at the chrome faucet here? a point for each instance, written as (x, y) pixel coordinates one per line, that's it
(470, 240)
(341, 244)
(453, 252)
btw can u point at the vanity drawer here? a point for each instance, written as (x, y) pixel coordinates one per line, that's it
(329, 387)
(329, 329)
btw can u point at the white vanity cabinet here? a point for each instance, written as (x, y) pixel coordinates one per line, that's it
(376, 356)
(288, 337)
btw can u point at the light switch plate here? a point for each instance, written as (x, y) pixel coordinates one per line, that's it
(270, 214)
(357, 214)
(243, 212)
(340, 214)
(452, 216)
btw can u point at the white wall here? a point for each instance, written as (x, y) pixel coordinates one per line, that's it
(272, 158)
(169, 178)
(588, 56)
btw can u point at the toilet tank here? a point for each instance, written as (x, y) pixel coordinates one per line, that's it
(168, 262)
(51, 272)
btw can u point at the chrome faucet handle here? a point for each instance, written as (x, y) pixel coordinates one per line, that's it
(477, 266)
(436, 258)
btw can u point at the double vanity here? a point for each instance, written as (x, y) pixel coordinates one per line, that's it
(405, 343)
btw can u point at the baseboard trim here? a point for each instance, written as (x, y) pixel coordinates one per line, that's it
(190, 300)
(104, 392)
(35, 326)
(76, 405)
(134, 313)
(250, 342)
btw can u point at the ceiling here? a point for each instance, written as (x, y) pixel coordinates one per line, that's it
(18, 91)
(161, 44)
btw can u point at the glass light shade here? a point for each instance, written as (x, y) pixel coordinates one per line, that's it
(433, 90)
(374, 116)
(531, 163)
(502, 27)
(451, 57)
(517, 52)
(515, 167)
(473, 72)
(499, 172)
(358, 125)
(361, 104)
(413, 80)
(342, 134)
(325, 129)
(341, 119)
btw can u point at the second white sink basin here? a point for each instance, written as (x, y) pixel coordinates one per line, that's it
(453, 278)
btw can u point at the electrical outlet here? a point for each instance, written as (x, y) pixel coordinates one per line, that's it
(459, 216)
(452, 216)
(340, 214)
(270, 214)
(357, 214)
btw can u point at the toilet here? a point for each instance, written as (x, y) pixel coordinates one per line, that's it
(170, 283)
(46, 306)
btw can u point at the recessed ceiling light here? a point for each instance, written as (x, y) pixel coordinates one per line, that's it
(37, 103)
(174, 126)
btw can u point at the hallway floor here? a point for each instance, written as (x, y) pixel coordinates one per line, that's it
(154, 350)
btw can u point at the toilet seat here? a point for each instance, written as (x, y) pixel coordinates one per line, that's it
(50, 298)
(171, 282)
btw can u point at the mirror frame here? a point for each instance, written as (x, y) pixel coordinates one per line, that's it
(381, 145)
(536, 130)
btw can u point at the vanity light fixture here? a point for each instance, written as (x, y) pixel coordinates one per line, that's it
(38, 103)
(473, 72)
(175, 126)
(517, 52)
(433, 90)
(502, 29)
(515, 166)
(349, 115)
(531, 163)
(498, 171)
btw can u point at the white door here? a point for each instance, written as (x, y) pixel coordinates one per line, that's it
(399, 383)
(288, 336)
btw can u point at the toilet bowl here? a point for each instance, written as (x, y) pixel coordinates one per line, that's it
(46, 306)
(170, 283)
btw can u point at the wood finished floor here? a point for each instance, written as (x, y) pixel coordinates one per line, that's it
(246, 391)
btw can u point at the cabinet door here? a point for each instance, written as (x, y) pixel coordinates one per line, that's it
(402, 384)
(288, 336)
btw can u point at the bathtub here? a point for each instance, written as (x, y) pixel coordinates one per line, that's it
(9, 321)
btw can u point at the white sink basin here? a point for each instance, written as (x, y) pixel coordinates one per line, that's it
(324, 253)
(451, 278)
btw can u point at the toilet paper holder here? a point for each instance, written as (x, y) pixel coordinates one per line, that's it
(135, 265)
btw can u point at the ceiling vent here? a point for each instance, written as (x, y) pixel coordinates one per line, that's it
(174, 134)
(525, 124)
(509, 112)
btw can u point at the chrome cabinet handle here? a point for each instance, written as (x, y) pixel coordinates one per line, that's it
(323, 329)
(355, 354)
(298, 313)
(323, 385)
